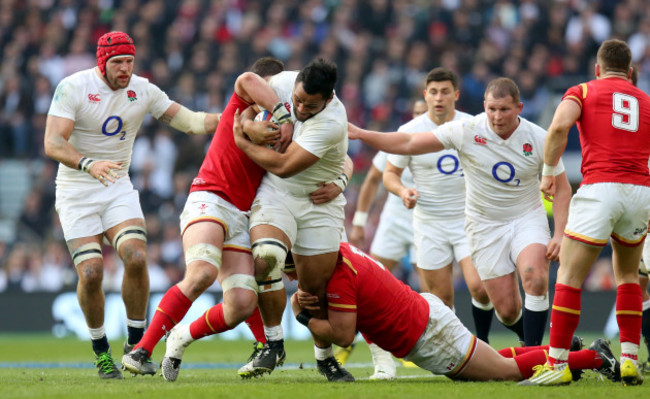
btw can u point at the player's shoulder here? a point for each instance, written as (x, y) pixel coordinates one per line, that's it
(333, 116)
(139, 81)
(532, 128)
(78, 79)
(284, 78)
(460, 115)
(418, 124)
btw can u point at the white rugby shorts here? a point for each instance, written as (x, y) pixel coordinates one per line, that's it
(393, 237)
(446, 346)
(438, 242)
(496, 245)
(312, 229)
(205, 206)
(601, 210)
(92, 208)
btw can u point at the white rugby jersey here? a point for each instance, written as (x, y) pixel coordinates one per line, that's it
(106, 121)
(325, 135)
(438, 176)
(394, 205)
(502, 176)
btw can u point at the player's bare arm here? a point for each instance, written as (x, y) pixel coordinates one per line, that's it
(57, 147)
(561, 202)
(190, 122)
(293, 161)
(339, 328)
(330, 190)
(566, 115)
(393, 183)
(397, 142)
(255, 89)
(366, 196)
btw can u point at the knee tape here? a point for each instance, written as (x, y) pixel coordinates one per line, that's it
(271, 251)
(128, 233)
(289, 264)
(85, 252)
(244, 281)
(273, 281)
(204, 252)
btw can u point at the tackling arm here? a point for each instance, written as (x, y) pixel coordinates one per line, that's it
(339, 328)
(397, 142)
(294, 160)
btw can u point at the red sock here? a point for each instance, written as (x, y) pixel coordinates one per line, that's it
(629, 311)
(527, 361)
(212, 322)
(171, 310)
(565, 317)
(584, 359)
(520, 350)
(257, 326)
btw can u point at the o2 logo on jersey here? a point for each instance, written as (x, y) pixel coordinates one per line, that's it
(112, 126)
(442, 166)
(504, 172)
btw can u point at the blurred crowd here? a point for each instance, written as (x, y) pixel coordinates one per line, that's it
(194, 50)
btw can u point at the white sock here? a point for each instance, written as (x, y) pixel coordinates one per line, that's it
(136, 323)
(97, 333)
(323, 353)
(628, 348)
(274, 333)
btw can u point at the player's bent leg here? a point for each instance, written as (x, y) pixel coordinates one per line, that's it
(487, 365)
(533, 269)
(314, 271)
(129, 239)
(504, 294)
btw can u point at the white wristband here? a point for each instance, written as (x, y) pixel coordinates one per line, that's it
(341, 181)
(360, 219)
(548, 170)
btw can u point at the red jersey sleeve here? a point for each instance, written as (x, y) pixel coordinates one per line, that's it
(576, 93)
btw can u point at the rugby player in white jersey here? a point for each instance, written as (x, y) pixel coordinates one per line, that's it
(283, 216)
(438, 197)
(501, 156)
(91, 126)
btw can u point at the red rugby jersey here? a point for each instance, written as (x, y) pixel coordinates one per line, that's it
(389, 313)
(614, 131)
(226, 170)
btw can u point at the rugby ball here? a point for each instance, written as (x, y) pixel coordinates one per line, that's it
(268, 117)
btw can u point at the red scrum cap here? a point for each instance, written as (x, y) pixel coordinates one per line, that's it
(113, 44)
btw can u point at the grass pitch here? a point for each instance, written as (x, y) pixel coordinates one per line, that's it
(39, 366)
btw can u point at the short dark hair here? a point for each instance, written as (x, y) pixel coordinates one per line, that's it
(502, 87)
(267, 66)
(319, 77)
(441, 74)
(614, 56)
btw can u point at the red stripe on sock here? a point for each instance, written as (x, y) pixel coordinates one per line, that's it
(257, 326)
(171, 310)
(629, 310)
(520, 350)
(212, 322)
(565, 316)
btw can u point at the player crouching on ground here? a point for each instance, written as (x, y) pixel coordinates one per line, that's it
(362, 295)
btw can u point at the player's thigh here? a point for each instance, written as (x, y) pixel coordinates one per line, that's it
(320, 227)
(446, 345)
(487, 364)
(79, 216)
(504, 294)
(432, 246)
(603, 209)
(491, 247)
(393, 237)
(275, 209)
(529, 240)
(122, 203)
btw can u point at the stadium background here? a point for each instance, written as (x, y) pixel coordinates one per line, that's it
(194, 49)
